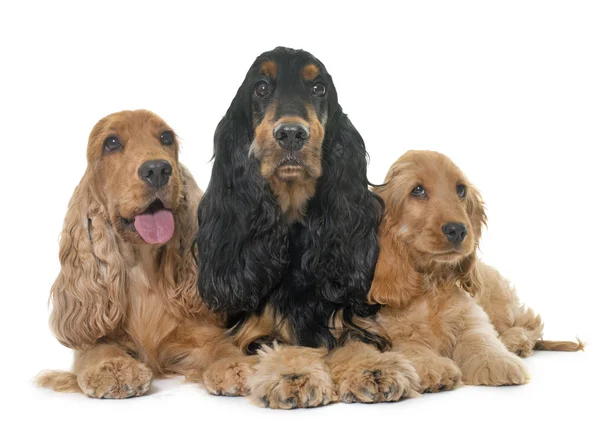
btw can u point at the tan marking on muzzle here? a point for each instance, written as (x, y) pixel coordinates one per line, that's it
(292, 186)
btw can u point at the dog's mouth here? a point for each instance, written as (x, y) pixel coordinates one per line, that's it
(290, 167)
(447, 254)
(443, 256)
(155, 224)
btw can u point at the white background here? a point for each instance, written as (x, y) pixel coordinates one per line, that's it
(510, 90)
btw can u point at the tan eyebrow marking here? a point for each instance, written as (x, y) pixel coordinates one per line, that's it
(269, 68)
(310, 72)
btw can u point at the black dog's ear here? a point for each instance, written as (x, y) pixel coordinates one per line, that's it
(241, 244)
(343, 220)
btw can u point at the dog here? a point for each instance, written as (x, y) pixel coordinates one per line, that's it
(287, 240)
(126, 297)
(435, 289)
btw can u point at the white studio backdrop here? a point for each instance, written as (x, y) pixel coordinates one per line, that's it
(509, 90)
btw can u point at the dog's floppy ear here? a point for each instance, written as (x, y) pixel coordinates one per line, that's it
(476, 212)
(177, 274)
(241, 244)
(87, 297)
(343, 218)
(396, 280)
(469, 278)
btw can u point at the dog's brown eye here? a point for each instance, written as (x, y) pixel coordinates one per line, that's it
(461, 190)
(418, 191)
(112, 144)
(262, 89)
(167, 137)
(319, 90)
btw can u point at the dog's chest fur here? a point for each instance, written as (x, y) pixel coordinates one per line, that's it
(148, 323)
(294, 312)
(435, 319)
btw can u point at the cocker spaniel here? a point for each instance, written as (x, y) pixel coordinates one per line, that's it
(428, 273)
(126, 297)
(287, 240)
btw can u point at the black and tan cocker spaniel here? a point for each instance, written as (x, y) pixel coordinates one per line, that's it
(287, 240)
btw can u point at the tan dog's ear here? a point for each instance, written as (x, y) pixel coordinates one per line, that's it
(396, 281)
(469, 278)
(178, 272)
(476, 212)
(87, 295)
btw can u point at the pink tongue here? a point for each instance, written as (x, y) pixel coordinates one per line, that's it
(155, 228)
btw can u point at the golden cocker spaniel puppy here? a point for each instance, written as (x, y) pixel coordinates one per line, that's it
(126, 297)
(428, 274)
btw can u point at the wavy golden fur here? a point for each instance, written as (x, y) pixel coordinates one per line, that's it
(435, 288)
(518, 326)
(130, 308)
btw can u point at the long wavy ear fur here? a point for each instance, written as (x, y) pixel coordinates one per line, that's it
(87, 296)
(343, 218)
(396, 281)
(178, 272)
(469, 278)
(241, 244)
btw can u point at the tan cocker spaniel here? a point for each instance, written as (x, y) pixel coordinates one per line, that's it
(126, 297)
(437, 292)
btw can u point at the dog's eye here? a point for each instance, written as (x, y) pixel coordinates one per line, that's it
(112, 144)
(461, 190)
(167, 137)
(319, 90)
(262, 89)
(418, 191)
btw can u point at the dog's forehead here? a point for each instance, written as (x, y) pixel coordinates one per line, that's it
(126, 124)
(138, 122)
(440, 174)
(288, 63)
(434, 170)
(447, 171)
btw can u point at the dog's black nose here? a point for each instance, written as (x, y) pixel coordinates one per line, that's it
(455, 232)
(155, 172)
(291, 136)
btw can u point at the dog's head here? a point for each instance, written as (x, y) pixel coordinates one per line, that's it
(433, 222)
(292, 94)
(283, 114)
(132, 159)
(438, 212)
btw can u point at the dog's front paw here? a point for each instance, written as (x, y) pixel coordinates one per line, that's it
(517, 341)
(115, 378)
(294, 390)
(438, 374)
(291, 377)
(380, 377)
(229, 376)
(495, 370)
